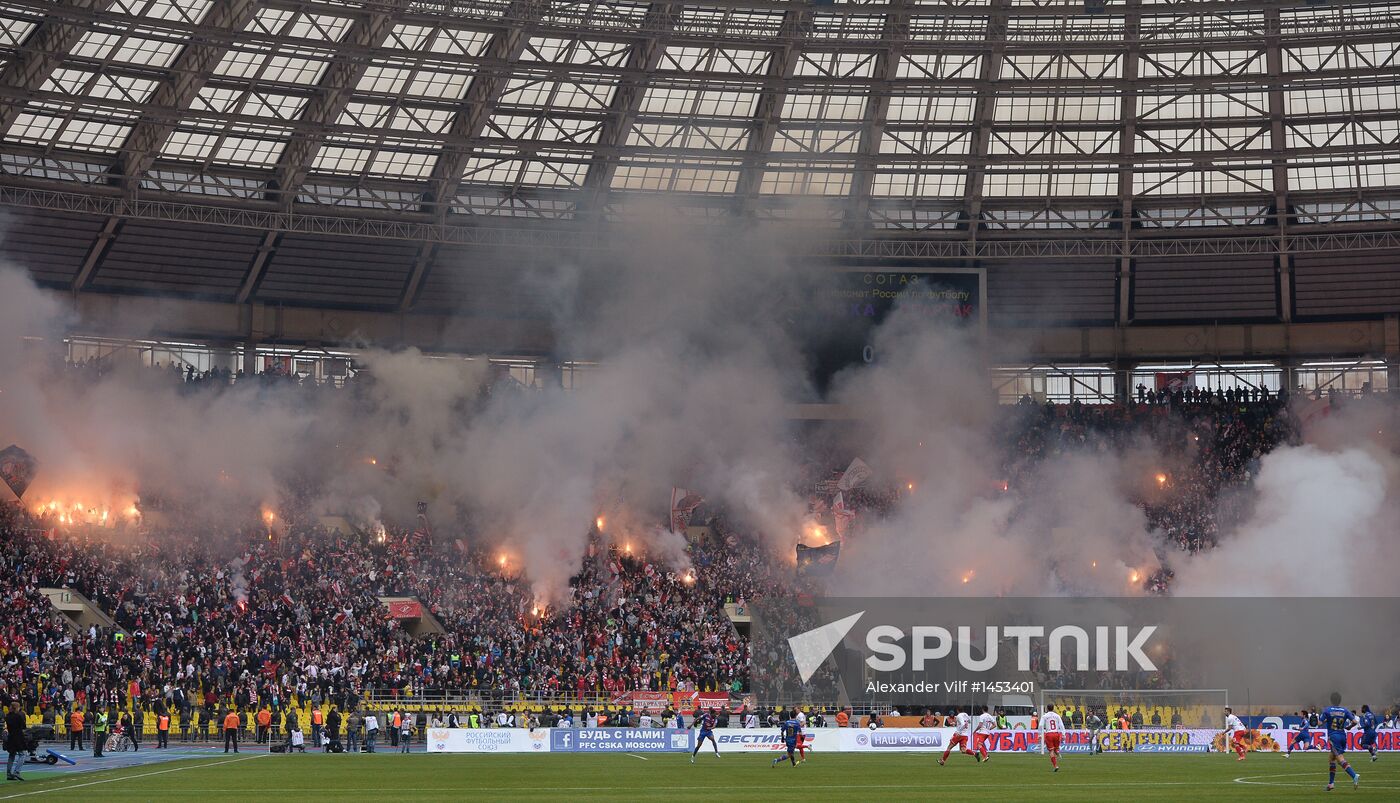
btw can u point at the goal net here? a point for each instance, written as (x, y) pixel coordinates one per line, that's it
(1192, 708)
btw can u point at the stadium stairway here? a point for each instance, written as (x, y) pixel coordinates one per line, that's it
(413, 615)
(79, 611)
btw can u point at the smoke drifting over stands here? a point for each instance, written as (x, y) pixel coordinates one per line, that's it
(1201, 496)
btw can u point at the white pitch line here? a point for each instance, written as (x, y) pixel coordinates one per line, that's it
(504, 789)
(1253, 780)
(66, 787)
(634, 755)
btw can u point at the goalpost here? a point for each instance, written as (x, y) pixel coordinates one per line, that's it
(1143, 708)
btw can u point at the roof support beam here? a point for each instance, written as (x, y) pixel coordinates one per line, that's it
(982, 115)
(415, 277)
(94, 254)
(485, 90)
(877, 108)
(642, 61)
(333, 93)
(188, 75)
(1278, 157)
(770, 107)
(1127, 150)
(255, 270)
(42, 52)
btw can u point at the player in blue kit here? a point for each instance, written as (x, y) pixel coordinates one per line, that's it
(706, 721)
(1368, 724)
(1338, 720)
(1302, 738)
(792, 731)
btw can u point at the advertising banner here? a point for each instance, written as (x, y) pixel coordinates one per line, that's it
(1278, 739)
(770, 740)
(863, 740)
(908, 740)
(1148, 740)
(488, 740)
(936, 740)
(621, 740)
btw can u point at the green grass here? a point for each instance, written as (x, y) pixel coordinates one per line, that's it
(734, 777)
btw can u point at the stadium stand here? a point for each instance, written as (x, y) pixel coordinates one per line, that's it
(238, 622)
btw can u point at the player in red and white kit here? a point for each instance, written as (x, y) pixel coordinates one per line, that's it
(982, 734)
(960, 732)
(1052, 729)
(1234, 731)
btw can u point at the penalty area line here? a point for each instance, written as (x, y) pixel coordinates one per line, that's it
(634, 755)
(119, 778)
(1256, 780)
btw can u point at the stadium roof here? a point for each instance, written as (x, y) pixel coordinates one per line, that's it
(1073, 129)
(907, 115)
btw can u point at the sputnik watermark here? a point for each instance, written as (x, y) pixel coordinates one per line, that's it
(811, 648)
(944, 651)
(1114, 648)
(1124, 645)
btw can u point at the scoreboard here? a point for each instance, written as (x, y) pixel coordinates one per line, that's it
(851, 301)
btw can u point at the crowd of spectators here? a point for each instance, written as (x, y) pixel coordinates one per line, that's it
(278, 373)
(187, 377)
(242, 619)
(1209, 446)
(235, 620)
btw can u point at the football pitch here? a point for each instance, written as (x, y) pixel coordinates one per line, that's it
(901, 776)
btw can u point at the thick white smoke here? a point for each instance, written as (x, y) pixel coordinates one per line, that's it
(697, 373)
(695, 378)
(1324, 516)
(930, 421)
(130, 432)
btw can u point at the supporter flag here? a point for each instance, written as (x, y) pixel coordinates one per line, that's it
(817, 561)
(683, 504)
(856, 473)
(1311, 411)
(425, 529)
(17, 469)
(842, 514)
(649, 702)
(404, 609)
(1174, 381)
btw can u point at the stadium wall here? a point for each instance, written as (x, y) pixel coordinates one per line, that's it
(111, 315)
(374, 285)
